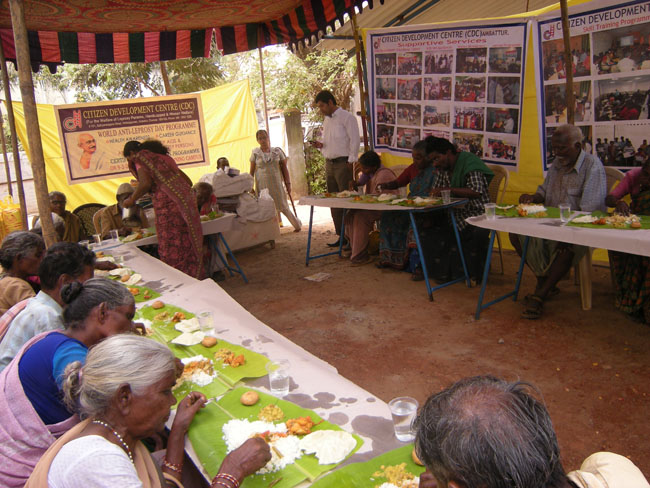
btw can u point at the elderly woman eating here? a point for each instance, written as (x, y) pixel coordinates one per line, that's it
(359, 223)
(122, 403)
(20, 255)
(32, 413)
(631, 273)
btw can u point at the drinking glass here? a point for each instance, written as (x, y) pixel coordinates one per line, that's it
(278, 377)
(446, 196)
(115, 235)
(403, 410)
(490, 211)
(565, 212)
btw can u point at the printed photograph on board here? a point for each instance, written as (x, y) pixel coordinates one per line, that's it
(438, 62)
(385, 134)
(469, 142)
(436, 133)
(505, 59)
(385, 64)
(409, 64)
(622, 50)
(471, 60)
(504, 120)
(386, 113)
(470, 89)
(471, 118)
(409, 89)
(409, 114)
(555, 102)
(622, 98)
(407, 138)
(437, 88)
(555, 65)
(386, 88)
(503, 90)
(436, 116)
(623, 145)
(501, 149)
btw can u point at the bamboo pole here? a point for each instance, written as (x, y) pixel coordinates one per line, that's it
(266, 110)
(362, 92)
(163, 73)
(14, 137)
(4, 155)
(568, 63)
(31, 119)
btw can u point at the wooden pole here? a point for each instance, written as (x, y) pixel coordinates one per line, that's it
(31, 119)
(4, 155)
(163, 73)
(568, 63)
(266, 110)
(362, 92)
(14, 138)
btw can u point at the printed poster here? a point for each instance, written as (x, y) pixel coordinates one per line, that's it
(93, 135)
(610, 59)
(463, 83)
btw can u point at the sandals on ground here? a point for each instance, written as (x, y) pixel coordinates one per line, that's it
(534, 307)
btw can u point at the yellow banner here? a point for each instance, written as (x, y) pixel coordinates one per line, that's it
(230, 126)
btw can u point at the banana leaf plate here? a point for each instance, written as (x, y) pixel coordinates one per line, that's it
(551, 213)
(645, 222)
(206, 435)
(361, 475)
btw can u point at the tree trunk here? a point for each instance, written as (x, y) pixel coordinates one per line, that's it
(4, 155)
(31, 119)
(297, 169)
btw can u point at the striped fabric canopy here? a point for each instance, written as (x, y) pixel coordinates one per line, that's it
(60, 32)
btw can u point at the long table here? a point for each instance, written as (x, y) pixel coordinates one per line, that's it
(348, 204)
(214, 229)
(315, 384)
(630, 241)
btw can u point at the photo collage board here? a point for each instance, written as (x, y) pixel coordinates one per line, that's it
(610, 59)
(462, 83)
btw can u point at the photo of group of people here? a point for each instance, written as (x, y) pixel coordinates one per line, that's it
(471, 60)
(612, 90)
(409, 64)
(502, 120)
(501, 149)
(436, 116)
(469, 118)
(386, 88)
(438, 88)
(556, 106)
(622, 98)
(469, 142)
(386, 113)
(439, 62)
(385, 64)
(469, 89)
(409, 89)
(555, 66)
(505, 59)
(407, 138)
(503, 90)
(409, 114)
(622, 50)
(476, 91)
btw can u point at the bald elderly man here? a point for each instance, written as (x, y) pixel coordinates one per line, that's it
(110, 218)
(576, 178)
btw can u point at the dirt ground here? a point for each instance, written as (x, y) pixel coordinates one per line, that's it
(379, 329)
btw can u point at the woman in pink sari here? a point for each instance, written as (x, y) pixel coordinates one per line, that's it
(359, 223)
(180, 238)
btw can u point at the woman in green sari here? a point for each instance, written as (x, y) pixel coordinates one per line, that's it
(467, 177)
(631, 273)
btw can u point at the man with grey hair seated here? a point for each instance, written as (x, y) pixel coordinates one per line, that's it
(575, 178)
(111, 218)
(484, 432)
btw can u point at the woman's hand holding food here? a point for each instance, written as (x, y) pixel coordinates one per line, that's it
(246, 459)
(622, 208)
(187, 409)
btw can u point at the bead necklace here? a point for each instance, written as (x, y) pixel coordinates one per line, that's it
(119, 438)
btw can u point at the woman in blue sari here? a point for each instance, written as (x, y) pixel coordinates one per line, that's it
(394, 228)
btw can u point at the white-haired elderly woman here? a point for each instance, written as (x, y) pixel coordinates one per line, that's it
(32, 412)
(123, 402)
(20, 254)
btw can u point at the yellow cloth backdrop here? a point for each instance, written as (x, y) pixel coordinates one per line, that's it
(230, 125)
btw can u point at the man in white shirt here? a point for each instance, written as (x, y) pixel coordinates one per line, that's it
(340, 147)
